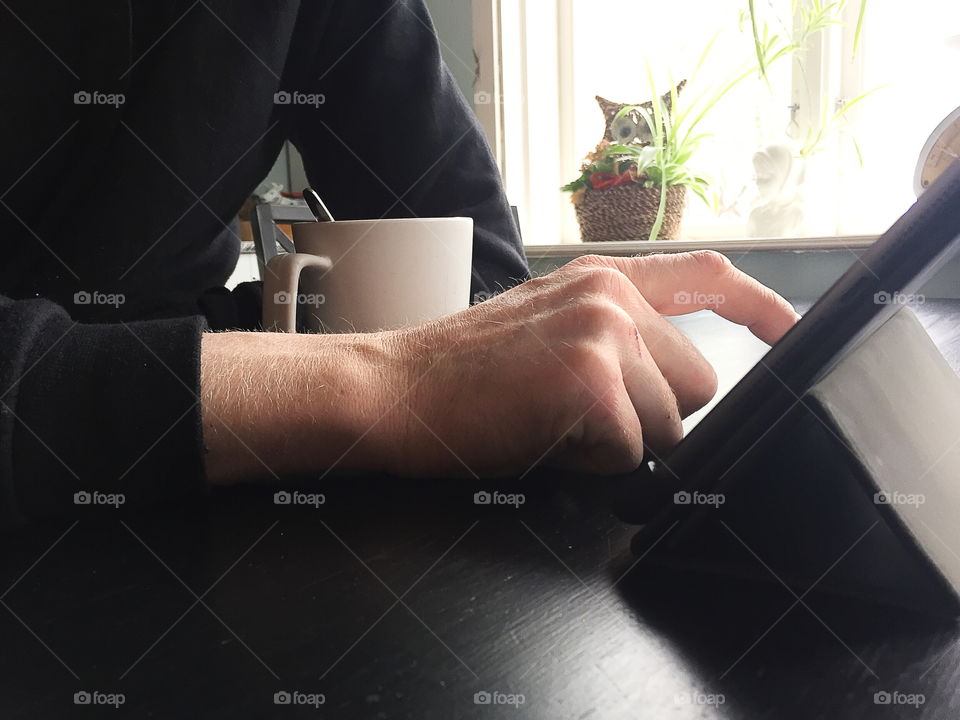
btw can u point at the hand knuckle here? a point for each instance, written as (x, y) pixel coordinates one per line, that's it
(602, 279)
(621, 451)
(589, 261)
(627, 456)
(532, 287)
(700, 386)
(595, 371)
(596, 315)
(712, 261)
(707, 382)
(674, 434)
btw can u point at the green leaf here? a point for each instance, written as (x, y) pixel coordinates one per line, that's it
(703, 57)
(756, 39)
(857, 99)
(856, 147)
(624, 150)
(658, 118)
(701, 192)
(712, 101)
(576, 184)
(856, 34)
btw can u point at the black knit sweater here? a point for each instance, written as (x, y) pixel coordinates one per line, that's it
(132, 132)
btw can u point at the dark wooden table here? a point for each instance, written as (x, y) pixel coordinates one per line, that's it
(407, 600)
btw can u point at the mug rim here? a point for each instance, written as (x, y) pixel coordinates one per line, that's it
(381, 220)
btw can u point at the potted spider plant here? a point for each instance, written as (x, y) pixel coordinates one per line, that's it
(635, 184)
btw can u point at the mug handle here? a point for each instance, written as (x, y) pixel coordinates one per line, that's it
(280, 288)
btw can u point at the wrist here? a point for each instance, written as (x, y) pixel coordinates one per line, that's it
(361, 379)
(276, 404)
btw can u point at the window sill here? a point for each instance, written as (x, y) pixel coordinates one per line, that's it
(744, 245)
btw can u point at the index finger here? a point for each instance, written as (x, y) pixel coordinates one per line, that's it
(682, 283)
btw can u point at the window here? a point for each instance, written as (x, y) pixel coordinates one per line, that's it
(542, 63)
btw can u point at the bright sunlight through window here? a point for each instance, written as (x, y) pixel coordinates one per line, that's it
(823, 145)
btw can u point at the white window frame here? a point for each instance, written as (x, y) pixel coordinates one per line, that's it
(513, 76)
(489, 87)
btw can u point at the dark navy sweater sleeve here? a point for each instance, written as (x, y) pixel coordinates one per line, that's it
(392, 111)
(109, 408)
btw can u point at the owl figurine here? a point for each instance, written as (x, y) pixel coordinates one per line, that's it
(631, 129)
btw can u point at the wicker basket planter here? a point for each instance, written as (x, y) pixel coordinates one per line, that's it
(627, 212)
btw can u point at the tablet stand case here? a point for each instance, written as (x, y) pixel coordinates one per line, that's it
(856, 490)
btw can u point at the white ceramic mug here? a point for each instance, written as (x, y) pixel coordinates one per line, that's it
(369, 275)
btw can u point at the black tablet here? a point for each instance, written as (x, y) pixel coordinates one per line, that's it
(853, 308)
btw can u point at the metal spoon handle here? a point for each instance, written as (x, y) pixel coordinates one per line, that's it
(319, 210)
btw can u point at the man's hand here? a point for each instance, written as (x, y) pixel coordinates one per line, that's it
(577, 369)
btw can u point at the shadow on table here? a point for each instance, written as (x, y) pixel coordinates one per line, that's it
(773, 656)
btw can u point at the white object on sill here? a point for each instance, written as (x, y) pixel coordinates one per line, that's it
(247, 270)
(273, 196)
(778, 210)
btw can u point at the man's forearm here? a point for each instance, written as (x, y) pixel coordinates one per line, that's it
(275, 404)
